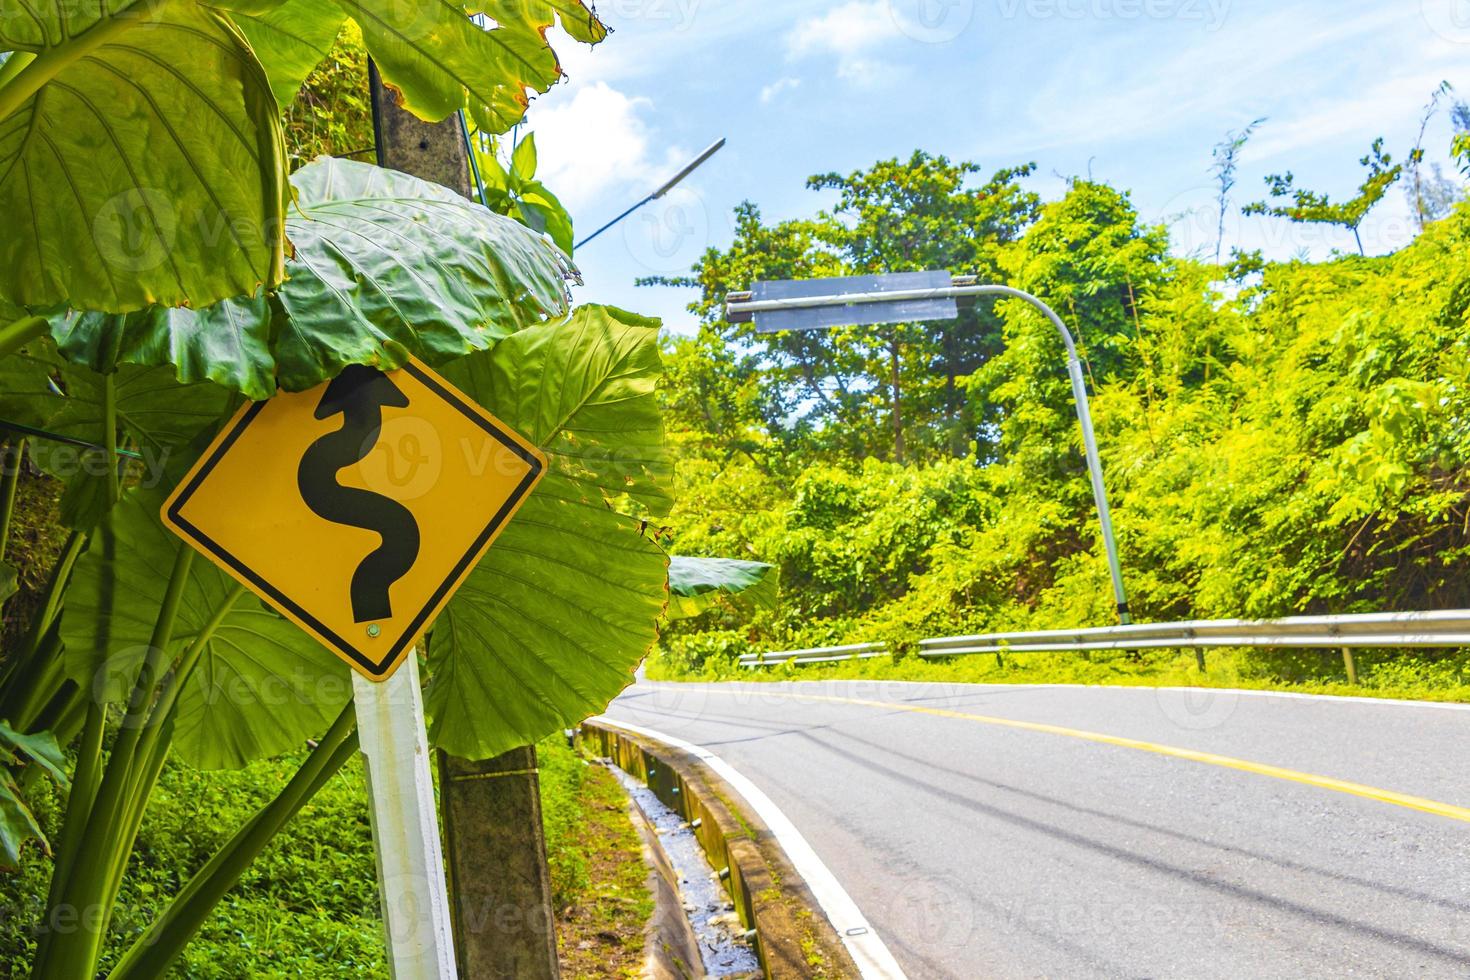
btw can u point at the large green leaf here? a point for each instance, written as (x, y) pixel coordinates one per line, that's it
(25, 396)
(385, 265)
(228, 343)
(141, 158)
(17, 822)
(157, 416)
(551, 624)
(291, 40)
(262, 686)
(696, 584)
(438, 61)
(156, 413)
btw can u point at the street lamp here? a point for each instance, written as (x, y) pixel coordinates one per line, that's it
(818, 304)
(668, 185)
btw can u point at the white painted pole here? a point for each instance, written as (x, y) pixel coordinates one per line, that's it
(415, 894)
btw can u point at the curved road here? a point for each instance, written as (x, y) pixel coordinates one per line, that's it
(1003, 831)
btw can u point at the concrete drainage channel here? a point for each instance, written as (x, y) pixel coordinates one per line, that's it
(695, 922)
(777, 914)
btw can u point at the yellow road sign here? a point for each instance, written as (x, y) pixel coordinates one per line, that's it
(357, 508)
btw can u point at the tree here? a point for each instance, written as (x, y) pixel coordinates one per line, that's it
(1428, 196)
(1227, 158)
(1310, 207)
(1460, 146)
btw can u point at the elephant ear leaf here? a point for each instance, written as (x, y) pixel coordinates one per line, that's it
(290, 39)
(17, 823)
(136, 133)
(551, 624)
(438, 60)
(388, 265)
(261, 686)
(697, 584)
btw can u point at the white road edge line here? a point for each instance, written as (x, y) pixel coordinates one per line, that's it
(1249, 692)
(868, 951)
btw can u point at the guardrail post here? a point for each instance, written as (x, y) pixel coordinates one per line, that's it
(1350, 665)
(1199, 658)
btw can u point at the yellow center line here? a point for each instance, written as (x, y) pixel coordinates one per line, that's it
(1208, 758)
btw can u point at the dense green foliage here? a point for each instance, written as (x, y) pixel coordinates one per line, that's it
(1295, 439)
(138, 342)
(309, 904)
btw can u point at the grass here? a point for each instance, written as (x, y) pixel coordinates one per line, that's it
(1412, 675)
(598, 878)
(308, 907)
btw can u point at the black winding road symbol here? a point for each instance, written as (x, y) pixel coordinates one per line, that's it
(360, 394)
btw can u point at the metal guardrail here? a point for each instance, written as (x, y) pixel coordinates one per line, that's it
(815, 655)
(1441, 628)
(1445, 628)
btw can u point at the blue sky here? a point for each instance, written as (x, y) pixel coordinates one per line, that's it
(1136, 92)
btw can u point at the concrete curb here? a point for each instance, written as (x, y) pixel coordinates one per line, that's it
(793, 939)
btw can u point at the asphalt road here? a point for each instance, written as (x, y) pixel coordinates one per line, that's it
(976, 849)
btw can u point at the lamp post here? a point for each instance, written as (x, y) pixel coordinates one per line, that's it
(817, 304)
(668, 185)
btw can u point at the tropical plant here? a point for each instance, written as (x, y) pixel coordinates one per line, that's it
(1310, 207)
(1298, 445)
(894, 391)
(1227, 160)
(174, 192)
(696, 585)
(152, 287)
(512, 189)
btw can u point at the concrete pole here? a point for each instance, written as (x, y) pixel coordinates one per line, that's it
(493, 835)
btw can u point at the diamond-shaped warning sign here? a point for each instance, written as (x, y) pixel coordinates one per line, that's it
(357, 508)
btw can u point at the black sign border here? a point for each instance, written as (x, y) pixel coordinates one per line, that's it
(376, 669)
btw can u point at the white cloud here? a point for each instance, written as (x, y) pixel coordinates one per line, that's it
(848, 33)
(771, 91)
(591, 143)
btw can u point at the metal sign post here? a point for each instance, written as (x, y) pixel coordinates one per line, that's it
(411, 881)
